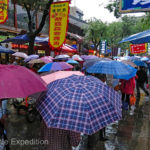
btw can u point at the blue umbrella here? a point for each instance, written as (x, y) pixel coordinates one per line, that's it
(71, 61)
(140, 63)
(118, 69)
(55, 66)
(18, 39)
(6, 50)
(138, 38)
(80, 103)
(145, 59)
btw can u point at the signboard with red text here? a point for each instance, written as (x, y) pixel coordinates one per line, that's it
(138, 48)
(58, 23)
(3, 11)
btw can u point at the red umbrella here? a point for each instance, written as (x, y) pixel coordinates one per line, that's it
(18, 81)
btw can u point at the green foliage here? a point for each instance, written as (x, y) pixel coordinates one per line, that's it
(113, 6)
(95, 31)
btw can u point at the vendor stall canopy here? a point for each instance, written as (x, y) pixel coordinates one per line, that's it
(138, 38)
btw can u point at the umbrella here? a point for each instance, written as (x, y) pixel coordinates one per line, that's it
(118, 69)
(59, 75)
(145, 59)
(5, 50)
(17, 81)
(20, 54)
(90, 62)
(140, 63)
(47, 59)
(55, 66)
(21, 39)
(129, 63)
(77, 58)
(31, 57)
(80, 103)
(138, 38)
(85, 57)
(36, 61)
(71, 61)
(61, 56)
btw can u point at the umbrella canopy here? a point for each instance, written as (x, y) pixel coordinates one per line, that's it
(17, 81)
(118, 69)
(47, 59)
(85, 57)
(55, 66)
(21, 39)
(5, 50)
(36, 61)
(59, 75)
(71, 61)
(138, 38)
(62, 56)
(140, 63)
(20, 54)
(90, 62)
(77, 58)
(129, 63)
(81, 104)
(144, 59)
(31, 57)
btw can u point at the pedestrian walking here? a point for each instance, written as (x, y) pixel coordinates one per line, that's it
(58, 139)
(141, 80)
(127, 89)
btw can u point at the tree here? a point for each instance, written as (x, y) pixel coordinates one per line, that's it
(113, 6)
(32, 7)
(95, 32)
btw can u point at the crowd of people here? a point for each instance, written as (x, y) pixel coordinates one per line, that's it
(64, 140)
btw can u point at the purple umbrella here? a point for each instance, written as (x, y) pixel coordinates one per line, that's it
(31, 57)
(55, 66)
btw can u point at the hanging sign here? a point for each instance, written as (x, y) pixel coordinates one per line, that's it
(58, 23)
(138, 48)
(3, 11)
(103, 47)
(127, 6)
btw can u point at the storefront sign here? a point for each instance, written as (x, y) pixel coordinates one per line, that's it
(58, 23)
(103, 46)
(127, 6)
(3, 11)
(138, 48)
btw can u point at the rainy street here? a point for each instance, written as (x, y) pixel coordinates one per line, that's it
(130, 133)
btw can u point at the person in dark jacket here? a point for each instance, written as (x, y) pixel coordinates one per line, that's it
(141, 79)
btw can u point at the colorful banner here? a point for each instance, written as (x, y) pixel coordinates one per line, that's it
(3, 11)
(58, 24)
(138, 48)
(127, 6)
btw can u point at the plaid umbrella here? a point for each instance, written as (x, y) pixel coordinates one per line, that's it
(118, 69)
(80, 103)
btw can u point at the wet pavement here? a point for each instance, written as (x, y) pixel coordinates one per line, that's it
(130, 133)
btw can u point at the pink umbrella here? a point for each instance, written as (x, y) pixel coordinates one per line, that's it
(18, 81)
(59, 75)
(47, 59)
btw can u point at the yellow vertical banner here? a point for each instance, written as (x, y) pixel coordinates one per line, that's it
(58, 23)
(3, 11)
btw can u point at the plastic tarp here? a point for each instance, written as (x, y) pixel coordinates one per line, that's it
(138, 38)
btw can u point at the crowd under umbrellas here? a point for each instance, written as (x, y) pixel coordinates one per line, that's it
(73, 101)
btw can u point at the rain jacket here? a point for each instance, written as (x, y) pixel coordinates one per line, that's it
(127, 86)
